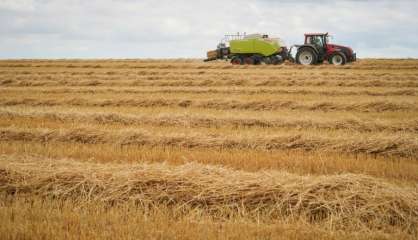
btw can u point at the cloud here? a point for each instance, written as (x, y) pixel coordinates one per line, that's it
(180, 28)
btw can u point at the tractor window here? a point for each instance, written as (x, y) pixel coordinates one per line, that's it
(329, 38)
(316, 40)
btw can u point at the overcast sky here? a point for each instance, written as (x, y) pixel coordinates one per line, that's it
(183, 29)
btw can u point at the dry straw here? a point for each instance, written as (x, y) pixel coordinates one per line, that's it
(341, 201)
(183, 120)
(265, 105)
(375, 144)
(216, 90)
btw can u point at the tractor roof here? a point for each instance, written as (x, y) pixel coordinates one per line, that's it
(315, 34)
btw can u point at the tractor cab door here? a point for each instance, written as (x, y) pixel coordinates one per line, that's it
(318, 41)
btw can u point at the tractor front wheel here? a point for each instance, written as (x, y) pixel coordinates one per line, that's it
(338, 59)
(306, 56)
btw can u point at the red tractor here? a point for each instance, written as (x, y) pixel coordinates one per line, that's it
(318, 49)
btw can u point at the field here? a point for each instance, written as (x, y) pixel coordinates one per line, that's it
(181, 149)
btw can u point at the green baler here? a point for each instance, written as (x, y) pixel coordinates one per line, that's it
(250, 49)
(262, 46)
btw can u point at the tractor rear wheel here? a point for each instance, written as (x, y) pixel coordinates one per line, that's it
(338, 59)
(306, 56)
(236, 61)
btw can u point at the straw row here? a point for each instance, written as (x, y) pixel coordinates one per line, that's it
(342, 201)
(404, 146)
(200, 120)
(261, 105)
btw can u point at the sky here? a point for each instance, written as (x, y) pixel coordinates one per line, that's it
(187, 29)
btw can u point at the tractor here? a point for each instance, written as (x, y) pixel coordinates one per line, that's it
(260, 48)
(318, 49)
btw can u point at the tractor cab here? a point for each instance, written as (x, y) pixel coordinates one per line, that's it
(318, 39)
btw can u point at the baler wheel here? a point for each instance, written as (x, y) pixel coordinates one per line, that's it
(267, 60)
(249, 60)
(257, 59)
(236, 60)
(277, 59)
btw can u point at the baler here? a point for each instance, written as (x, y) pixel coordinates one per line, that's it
(250, 49)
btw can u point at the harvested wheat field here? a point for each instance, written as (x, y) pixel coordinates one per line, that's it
(181, 149)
